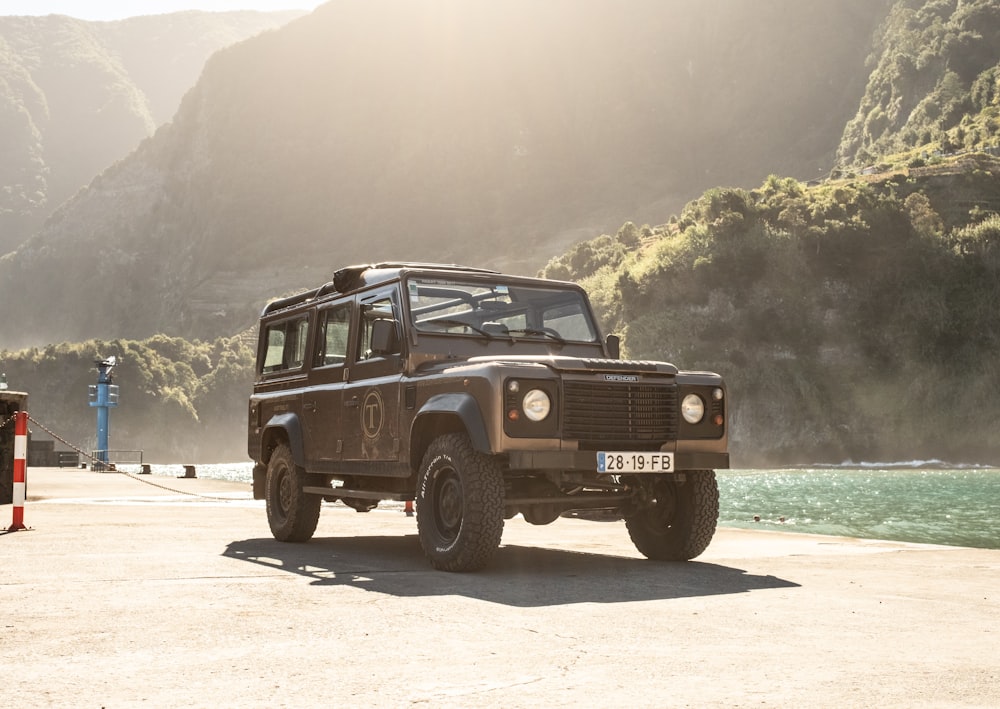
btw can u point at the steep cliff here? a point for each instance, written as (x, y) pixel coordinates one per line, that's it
(76, 96)
(489, 132)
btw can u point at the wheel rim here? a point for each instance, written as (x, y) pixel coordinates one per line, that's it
(448, 503)
(284, 492)
(664, 509)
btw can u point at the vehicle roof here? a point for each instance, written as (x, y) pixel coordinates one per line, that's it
(354, 278)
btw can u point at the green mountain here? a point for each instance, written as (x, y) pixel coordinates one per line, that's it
(934, 83)
(496, 133)
(854, 320)
(854, 307)
(77, 96)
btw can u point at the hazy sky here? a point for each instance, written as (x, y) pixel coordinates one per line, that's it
(118, 9)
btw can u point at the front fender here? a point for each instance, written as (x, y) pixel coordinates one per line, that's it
(465, 408)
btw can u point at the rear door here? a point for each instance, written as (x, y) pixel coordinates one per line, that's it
(322, 402)
(281, 376)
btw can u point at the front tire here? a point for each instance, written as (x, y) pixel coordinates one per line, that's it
(677, 520)
(460, 505)
(291, 513)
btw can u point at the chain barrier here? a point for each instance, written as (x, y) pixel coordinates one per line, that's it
(110, 467)
(170, 489)
(12, 417)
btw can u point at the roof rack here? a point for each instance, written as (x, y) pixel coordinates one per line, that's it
(282, 303)
(347, 278)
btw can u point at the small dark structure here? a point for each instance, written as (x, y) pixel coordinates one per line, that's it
(10, 401)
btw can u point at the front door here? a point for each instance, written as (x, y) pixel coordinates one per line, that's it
(371, 394)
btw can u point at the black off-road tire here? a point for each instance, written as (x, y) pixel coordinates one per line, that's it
(679, 522)
(291, 513)
(460, 504)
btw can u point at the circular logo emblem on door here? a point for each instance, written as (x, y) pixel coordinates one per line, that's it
(372, 412)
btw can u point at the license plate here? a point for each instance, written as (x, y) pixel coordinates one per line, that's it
(622, 462)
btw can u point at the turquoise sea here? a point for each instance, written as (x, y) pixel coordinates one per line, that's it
(903, 502)
(927, 502)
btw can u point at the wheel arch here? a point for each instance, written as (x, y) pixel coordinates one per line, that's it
(443, 414)
(283, 428)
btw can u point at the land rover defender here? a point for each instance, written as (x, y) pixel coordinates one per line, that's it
(478, 396)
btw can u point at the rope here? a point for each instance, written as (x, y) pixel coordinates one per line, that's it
(111, 466)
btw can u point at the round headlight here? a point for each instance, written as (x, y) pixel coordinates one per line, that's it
(692, 408)
(536, 404)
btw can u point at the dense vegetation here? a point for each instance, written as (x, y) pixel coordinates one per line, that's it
(180, 401)
(852, 320)
(934, 85)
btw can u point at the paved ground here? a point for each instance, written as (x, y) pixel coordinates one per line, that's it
(124, 594)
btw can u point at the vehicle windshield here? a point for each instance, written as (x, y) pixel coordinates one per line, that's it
(500, 310)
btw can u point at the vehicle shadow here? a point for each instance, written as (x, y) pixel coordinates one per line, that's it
(517, 576)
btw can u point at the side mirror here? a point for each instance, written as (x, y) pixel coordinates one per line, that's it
(384, 340)
(614, 346)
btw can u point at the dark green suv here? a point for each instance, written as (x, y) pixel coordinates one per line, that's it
(479, 396)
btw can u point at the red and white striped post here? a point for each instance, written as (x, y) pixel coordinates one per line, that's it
(20, 464)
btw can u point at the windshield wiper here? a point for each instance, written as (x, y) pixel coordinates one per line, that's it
(459, 323)
(544, 331)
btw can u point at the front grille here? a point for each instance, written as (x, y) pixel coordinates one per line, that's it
(642, 415)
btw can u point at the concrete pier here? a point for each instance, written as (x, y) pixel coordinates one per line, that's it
(124, 594)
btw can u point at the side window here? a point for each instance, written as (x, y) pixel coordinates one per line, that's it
(379, 309)
(275, 339)
(285, 345)
(335, 328)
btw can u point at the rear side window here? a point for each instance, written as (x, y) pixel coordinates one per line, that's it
(285, 345)
(334, 329)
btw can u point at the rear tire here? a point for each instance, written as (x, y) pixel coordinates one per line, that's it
(677, 520)
(291, 513)
(460, 505)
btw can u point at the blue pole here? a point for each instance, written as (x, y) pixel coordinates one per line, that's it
(103, 414)
(102, 400)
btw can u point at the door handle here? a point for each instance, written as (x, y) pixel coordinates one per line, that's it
(309, 405)
(352, 403)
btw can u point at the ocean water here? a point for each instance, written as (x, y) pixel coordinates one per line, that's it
(902, 502)
(926, 502)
